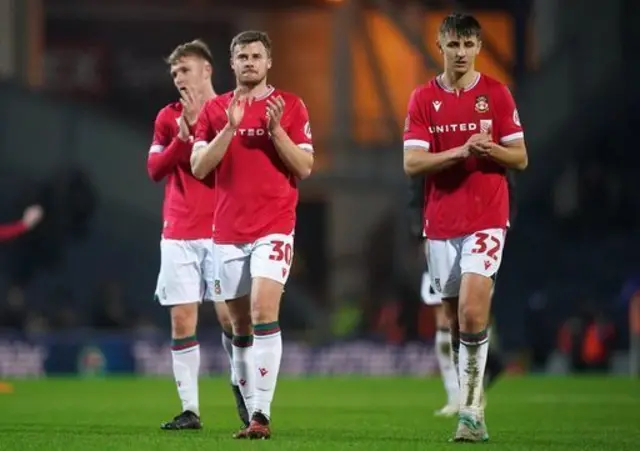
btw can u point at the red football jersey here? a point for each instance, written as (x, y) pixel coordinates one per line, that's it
(188, 202)
(472, 195)
(256, 193)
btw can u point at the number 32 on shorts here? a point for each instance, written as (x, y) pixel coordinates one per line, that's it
(487, 244)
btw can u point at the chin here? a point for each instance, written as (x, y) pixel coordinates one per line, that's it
(248, 80)
(252, 80)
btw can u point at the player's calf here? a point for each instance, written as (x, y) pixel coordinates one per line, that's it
(244, 365)
(224, 319)
(443, 348)
(185, 355)
(450, 307)
(265, 307)
(473, 316)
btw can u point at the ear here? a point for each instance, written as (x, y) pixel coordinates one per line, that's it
(231, 62)
(479, 45)
(269, 61)
(439, 46)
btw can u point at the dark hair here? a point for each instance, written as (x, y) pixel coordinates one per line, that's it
(196, 47)
(250, 36)
(464, 25)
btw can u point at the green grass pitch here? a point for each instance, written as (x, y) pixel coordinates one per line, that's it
(321, 414)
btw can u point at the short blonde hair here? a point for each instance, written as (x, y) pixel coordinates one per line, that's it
(197, 47)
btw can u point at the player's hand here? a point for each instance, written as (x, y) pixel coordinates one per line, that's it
(235, 112)
(190, 110)
(475, 142)
(32, 216)
(191, 105)
(483, 149)
(275, 110)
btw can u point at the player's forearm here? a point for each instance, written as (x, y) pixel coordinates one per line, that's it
(297, 160)
(205, 157)
(12, 230)
(160, 164)
(418, 161)
(512, 157)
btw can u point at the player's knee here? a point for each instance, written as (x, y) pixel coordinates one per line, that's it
(475, 302)
(265, 301)
(184, 320)
(473, 314)
(224, 318)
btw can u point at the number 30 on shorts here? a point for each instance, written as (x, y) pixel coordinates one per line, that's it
(486, 244)
(281, 251)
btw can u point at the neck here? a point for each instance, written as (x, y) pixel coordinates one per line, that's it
(208, 92)
(458, 81)
(256, 90)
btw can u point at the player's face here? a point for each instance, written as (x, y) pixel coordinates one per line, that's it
(459, 52)
(190, 72)
(250, 63)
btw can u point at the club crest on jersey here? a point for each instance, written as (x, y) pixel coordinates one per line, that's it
(216, 287)
(407, 121)
(482, 104)
(516, 118)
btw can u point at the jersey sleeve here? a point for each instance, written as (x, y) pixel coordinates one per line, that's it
(416, 125)
(161, 134)
(508, 120)
(166, 151)
(12, 230)
(204, 132)
(299, 127)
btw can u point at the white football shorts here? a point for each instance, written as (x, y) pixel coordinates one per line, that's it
(478, 253)
(186, 272)
(429, 295)
(237, 264)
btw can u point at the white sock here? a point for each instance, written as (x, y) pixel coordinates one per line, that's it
(473, 360)
(244, 367)
(447, 369)
(185, 355)
(268, 346)
(228, 348)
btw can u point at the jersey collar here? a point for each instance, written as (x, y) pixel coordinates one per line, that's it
(469, 87)
(266, 93)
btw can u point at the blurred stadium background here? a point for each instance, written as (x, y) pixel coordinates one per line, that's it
(82, 81)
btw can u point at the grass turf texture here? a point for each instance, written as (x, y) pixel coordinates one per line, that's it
(320, 414)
